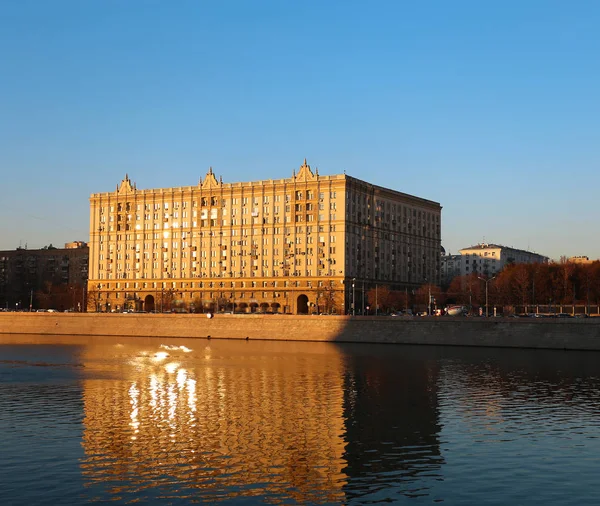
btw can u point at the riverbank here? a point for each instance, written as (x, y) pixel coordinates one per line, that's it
(567, 334)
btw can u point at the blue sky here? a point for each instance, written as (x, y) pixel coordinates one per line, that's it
(490, 108)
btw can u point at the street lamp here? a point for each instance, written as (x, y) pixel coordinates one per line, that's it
(232, 293)
(353, 299)
(363, 298)
(428, 297)
(486, 292)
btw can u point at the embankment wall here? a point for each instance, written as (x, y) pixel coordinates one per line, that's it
(568, 334)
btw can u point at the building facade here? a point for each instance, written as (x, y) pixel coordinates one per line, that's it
(450, 266)
(310, 243)
(489, 259)
(581, 259)
(25, 272)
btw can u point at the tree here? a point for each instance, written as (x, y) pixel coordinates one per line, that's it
(398, 300)
(521, 283)
(465, 290)
(423, 293)
(197, 306)
(380, 299)
(165, 300)
(327, 300)
(566, 270)
(93, 300)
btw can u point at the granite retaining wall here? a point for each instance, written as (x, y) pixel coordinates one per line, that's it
(567, 334)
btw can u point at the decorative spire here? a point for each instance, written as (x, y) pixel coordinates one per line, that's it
(125, 185)
(210, 181)
(304, 174)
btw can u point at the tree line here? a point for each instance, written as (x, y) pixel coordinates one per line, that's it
(517, 285)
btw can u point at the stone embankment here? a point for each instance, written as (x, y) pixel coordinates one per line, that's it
(564, 334)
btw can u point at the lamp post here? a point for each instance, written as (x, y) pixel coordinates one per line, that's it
(232, 293)
(428, 297)
(363, 298)
(353, 298)
(486, 280)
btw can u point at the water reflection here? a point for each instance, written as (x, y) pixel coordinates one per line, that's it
(392, 424)
(253, 422)
(224, 421)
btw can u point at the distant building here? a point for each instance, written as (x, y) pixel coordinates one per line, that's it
(289, 245)
(23, 271)
(450, 268)
(489, 259)
(485, 260)
(75, 245)
(580, 260)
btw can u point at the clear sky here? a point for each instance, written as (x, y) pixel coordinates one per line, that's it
(489, 107)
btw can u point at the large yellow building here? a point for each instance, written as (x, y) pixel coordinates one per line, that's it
(305, 244)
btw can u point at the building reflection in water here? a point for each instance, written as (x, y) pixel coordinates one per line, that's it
(392, 422)
(259, 422)
(220, 420)
(215, 421)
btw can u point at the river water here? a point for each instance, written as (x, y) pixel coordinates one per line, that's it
(174, 421)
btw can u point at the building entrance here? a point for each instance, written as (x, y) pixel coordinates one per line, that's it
(149, 303)
(302, 304)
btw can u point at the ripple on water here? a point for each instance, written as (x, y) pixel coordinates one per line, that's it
(311, 423)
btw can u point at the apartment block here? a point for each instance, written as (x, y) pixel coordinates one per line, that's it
(294, 245)
(489, 259)
(26, 271)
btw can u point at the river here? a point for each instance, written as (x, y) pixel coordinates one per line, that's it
(89, 420)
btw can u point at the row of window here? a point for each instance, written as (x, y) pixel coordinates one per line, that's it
(214, 201)
(253, 273)
(214, 284)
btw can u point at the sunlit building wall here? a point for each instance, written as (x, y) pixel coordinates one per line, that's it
(489, 259)
(292, 245)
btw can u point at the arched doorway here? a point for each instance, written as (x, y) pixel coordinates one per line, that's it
(264, 307)
(149, 303)
(302, 304)
(275, 307)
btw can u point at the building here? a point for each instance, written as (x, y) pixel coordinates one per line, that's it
(450, 266)
(310, 243)
(489, 259)
(580, 260)
(24, 272)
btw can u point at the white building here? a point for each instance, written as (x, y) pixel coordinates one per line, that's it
(484, 260)
(489, 259)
